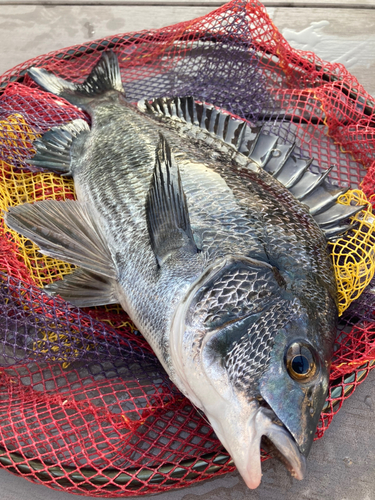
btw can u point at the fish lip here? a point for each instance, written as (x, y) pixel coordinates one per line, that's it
(284, 447)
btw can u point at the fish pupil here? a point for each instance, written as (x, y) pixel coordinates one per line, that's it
(300, 364)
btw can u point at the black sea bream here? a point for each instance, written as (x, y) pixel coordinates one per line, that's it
(221, 268)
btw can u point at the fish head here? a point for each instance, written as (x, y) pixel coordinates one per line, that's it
(255, 358)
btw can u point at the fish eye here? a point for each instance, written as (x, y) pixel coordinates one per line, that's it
(300, 362)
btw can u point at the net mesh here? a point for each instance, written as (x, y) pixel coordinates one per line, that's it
(85, 406)
(353, 255)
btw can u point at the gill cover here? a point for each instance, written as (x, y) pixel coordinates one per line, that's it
(248, 354)
(237, 300)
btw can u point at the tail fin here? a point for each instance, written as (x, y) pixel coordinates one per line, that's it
(104, 77)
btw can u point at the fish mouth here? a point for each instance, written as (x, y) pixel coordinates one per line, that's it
(271, 449)
(280, 444)
(275, 438)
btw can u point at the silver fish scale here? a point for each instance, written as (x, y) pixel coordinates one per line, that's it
(250, 356)
(275, 226)
(120, 151)
(124, 167)
(293, 242)
(251, 215)
(112, 175)
(222, 225)
(219, 221)
(234, 296)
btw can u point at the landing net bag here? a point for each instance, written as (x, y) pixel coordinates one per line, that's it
(85, 406)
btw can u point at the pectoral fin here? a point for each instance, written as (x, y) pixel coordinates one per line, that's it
(65, 230)
(166, 208)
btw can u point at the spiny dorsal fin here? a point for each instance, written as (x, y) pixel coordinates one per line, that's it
(310, 188)
(53, 149)
(65, 230)
(85, 289)
(166, 208)
(104, 76)
(219, 123)
(266, 150)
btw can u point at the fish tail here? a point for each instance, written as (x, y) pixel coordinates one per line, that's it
(104, 77)
(53, 150)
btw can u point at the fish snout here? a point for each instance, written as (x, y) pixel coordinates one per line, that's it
(278, 441)
(261, 428)
(281, 444)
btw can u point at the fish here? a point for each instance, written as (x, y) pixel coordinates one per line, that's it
(212, 235)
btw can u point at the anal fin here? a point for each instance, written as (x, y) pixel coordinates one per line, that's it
(53, 149)
(85, 289)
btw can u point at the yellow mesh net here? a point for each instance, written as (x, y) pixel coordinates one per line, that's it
(15, 133)
(353, 255)
(18, 187)
(63, 348)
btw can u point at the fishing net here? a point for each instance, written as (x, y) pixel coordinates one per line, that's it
(85, 406)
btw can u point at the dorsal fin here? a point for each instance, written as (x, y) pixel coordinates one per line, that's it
(267, 151)
(166, 208)
(219, 123)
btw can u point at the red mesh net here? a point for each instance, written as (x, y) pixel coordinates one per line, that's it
(85, 406)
